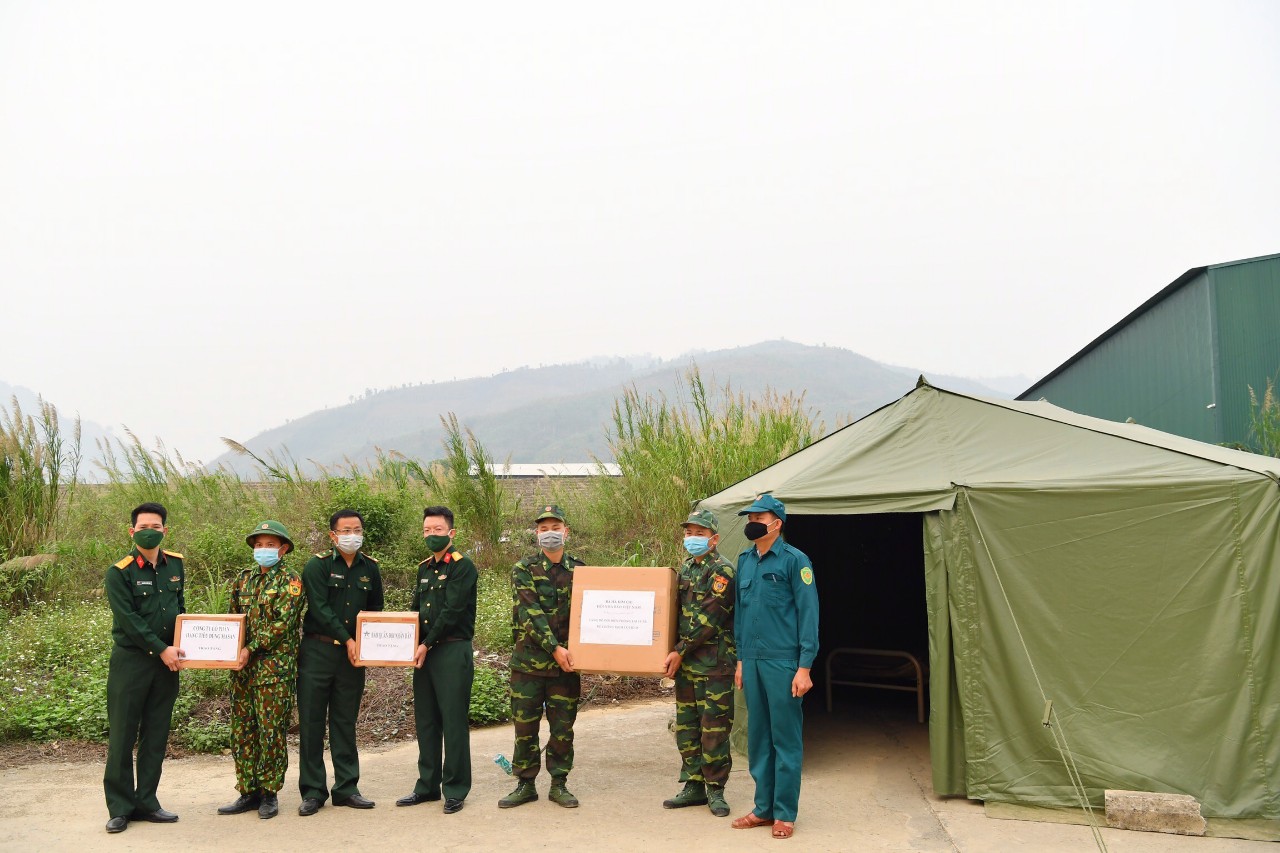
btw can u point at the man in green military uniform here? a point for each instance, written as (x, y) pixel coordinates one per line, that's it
(338, 584)
(262, 686)
(542, 676)
(703, 664)
(145, 590)
(445, 598)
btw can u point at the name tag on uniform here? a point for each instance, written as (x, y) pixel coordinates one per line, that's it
(144, 583)
(337, 576)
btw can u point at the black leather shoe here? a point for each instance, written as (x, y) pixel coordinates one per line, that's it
(118, 824)
(270, 806)
(157, 816)
(355, 801)
(415, 798)
(244, 803)
(452, 805)
(310, 805)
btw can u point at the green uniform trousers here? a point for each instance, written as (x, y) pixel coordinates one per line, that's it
(329, 690)
(704, 716)
(441, 714)
(775, 736)
(259, 723)
(140, 696)
(530, 695)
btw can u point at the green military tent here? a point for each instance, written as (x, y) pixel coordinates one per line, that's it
(1128, 575)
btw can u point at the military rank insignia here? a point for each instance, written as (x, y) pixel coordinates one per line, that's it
(720, 584)
(364, 580)
(806, 575)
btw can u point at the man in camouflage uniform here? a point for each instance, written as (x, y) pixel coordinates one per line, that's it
(542, 675)
(338, 585)
(145, 592)
(270, 596)
(703, 664)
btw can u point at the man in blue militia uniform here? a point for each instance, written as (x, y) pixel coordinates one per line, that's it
(338, 585)
(145, 590)
(776, 631)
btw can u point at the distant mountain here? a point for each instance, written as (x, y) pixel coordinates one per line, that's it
(560, 413)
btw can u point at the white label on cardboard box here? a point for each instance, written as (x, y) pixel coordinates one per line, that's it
(210, 639)
(617, 618)
(386, 641)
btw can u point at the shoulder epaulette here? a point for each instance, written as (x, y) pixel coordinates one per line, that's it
(457, 555)
(124, 564)
(371, 557)
(322, 554)
(175, 554)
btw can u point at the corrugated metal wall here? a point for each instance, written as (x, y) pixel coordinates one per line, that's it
(1158, 369)
(1205, 343)
(1247, 302)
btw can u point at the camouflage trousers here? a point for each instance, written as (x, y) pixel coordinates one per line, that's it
(260, 715)
(559, 695)
(704, 716)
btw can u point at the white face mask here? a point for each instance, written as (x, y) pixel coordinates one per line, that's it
(349, 543)
(551, 540)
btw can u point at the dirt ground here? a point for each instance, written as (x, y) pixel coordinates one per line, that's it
(866, 788)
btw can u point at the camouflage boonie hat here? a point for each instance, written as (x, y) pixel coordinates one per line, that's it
(550, 511)
(703, 518)
(273, 528)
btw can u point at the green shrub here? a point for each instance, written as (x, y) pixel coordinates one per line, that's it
(490, 696)
(38, 468)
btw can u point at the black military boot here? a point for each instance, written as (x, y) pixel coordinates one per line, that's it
(270, 806)
(244, 803)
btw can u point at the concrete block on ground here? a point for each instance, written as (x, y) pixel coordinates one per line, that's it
(1145, 811)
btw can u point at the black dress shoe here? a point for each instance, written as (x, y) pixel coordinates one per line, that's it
(310, 805)
(452, 805)
(270, 806)
(118, 824)
(355, 801)
(244, 803)
(415, 798)
(157, 816)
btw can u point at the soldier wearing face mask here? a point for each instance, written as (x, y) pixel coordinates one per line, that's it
(542, 675)
(339, 584)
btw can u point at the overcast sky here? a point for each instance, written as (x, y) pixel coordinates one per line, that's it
(214, 217)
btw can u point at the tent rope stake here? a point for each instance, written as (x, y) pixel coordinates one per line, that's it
(1050, 719)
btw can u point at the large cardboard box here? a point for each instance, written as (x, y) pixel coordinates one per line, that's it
(622, 619)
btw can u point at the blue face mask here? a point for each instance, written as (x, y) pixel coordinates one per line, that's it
(266, 557)
(697, 545)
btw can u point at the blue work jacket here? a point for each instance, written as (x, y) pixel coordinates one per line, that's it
(776, 609)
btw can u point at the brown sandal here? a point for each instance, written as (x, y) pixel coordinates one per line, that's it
(783, 828)
(751, 821)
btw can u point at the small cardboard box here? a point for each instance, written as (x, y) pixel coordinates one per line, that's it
(209, 640)
(622, 619)
(386, 637)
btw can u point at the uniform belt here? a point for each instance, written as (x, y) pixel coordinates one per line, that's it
(451, 640)
(322, 638)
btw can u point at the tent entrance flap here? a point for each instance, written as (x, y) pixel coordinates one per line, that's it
(870, 575)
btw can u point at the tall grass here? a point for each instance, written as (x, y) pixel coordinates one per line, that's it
(38, 470)
(466, 481)
(1264, 421)
(675, 452)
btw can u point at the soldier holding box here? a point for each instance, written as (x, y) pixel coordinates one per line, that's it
(145, 592)
(338, 585)
(703, 666)
(542, 675)
(270, 596)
